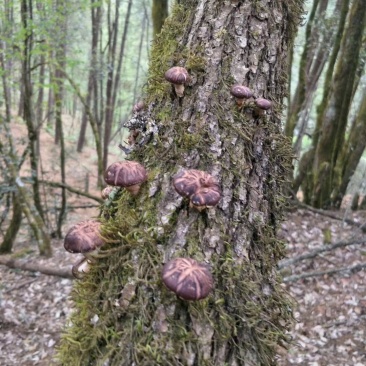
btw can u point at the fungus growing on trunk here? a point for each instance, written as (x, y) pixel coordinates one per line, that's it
(84, 238)
(178, 76)
(241, 93)
(189, 279)
(200, 187)
(106, 192)
(80, 268)
(126, 174)
(262, 105)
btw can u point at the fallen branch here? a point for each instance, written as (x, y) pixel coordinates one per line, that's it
(71, 189)
(330, 215)
(35, 267)
(316, 252)
(353, 269)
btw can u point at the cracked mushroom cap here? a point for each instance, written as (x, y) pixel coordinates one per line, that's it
(106, 192)
(189, 279)
(264, 104)
(201, 187)
(241, 92)
(127, 174)
(177, 75)
(84, 237)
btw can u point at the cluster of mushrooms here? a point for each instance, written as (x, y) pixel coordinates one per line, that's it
(179, 76)
(187, 278)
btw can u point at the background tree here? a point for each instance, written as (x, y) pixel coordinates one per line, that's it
(159, 14)
(332, 118)
(135, 320)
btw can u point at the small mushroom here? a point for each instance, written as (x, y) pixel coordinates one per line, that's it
(138, 107)
(178, 76)
(127, 174)
(262, 105)
(80, 268)
(241, 93)
(200, 187)
(106, 192)
(84, 237)
(189, 279)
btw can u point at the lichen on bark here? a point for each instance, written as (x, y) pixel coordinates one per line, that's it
(247, 315)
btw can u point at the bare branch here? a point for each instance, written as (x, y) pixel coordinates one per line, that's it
(71, 189)
(353, 269)
(330, 214)
(35, 267)
(316, 252)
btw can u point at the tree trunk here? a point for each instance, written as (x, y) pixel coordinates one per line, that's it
(14, 226)
(114, 77)
(124, 315)
(335, 114)
(159, 13)
(351, 152)
(92, 85)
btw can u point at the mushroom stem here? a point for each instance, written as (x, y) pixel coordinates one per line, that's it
(80, 268)
(179, 89)
(134, 189)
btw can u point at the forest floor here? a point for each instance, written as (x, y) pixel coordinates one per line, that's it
(330, 309)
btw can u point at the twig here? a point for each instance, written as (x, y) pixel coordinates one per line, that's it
(315, 252)
(18, 286)
(331, 215)
(35, 267)
(353, 269)
(71, 189)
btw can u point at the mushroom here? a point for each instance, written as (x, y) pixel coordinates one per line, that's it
(178, 76)
(106, 192)
(241, 93)
(127, 174)
(189, 279)
(200, 187)
(84, 238)
(262, 105)
(138, 107)
(80, 268)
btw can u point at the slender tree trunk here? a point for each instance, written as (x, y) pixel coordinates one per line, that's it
(113, 75)
(135, 319)
(334, 115)
(14, 226)
(61, 5)
(351, 152)
(159, 14)
(307, 186)
(92, 85)
(28, 107)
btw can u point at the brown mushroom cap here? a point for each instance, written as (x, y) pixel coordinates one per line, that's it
(138, 107)
(177, 75)
(106, 192)
(264, 104)
(206, 197)
(125, 174)
(84, 237)
(241, 92)
(188, 278)
(201, 187)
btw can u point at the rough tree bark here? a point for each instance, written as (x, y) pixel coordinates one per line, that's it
(124, 315)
